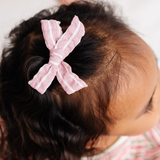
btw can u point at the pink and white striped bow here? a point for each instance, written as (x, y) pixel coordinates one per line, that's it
(59, 45)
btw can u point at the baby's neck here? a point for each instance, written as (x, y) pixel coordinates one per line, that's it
(104, 143)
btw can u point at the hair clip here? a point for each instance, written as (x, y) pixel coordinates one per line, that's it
(59, 45)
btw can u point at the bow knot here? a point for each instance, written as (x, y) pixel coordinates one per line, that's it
(55, 58)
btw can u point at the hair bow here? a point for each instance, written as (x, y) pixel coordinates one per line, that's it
(59, 45)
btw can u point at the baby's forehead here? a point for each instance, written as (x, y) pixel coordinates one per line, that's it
(137, 77)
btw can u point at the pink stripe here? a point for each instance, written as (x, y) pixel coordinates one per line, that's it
(137, 147)
(152, 152)
(68, 34)
(123, 153)
(56, 30)
(37, 78)
(155, 137)
(138, 158)
(47, 32)
(158, 125)
(74, 83)
(48, 81)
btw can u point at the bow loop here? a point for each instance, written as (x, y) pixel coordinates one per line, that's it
(51, 32)
(43, 78)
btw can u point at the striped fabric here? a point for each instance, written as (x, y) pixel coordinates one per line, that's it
(141, 147)
(59, 45)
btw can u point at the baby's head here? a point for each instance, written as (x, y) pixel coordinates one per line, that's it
(118, 67)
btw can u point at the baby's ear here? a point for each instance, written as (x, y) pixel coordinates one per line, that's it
(66, 2)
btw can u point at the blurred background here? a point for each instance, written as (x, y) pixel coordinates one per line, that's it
(142, 15)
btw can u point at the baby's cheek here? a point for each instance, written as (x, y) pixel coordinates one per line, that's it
(156, 100)
(156, 103)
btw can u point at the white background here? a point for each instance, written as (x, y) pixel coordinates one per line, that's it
(142, 15)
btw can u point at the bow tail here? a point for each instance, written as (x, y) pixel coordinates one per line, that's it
(51, 32)
(43, 79)
(69, 81)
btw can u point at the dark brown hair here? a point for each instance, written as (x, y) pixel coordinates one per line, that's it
(56, 125)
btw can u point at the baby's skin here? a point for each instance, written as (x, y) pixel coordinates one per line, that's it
(138, 106)
(66, 1)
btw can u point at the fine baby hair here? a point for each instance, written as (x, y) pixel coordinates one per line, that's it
(57, 125)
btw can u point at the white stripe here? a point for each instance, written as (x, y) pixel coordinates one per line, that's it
(43, 79)
(59, 29)
(71, 37)
(54, 63)
(59, 40)
(51, 34)
(65, 82)
(73, 77)
(59, 35)
(57, 55)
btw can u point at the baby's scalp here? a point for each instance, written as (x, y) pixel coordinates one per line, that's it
(57, 125)
(137, 96)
